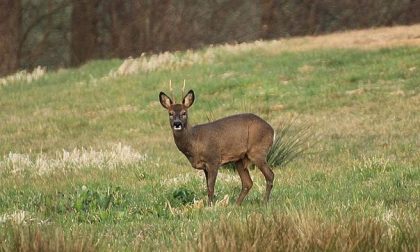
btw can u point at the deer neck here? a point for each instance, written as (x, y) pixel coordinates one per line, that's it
(183, 140)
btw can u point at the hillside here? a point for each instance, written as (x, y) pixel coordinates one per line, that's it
(87, 159)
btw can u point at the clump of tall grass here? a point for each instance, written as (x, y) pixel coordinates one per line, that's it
(35, 238)
(24, 75)
(290, 142)
(165, 60)
(117, 156)
(175, 60)
(17, 217)
(302, 233)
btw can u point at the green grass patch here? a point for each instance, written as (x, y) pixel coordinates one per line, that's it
(87, 160)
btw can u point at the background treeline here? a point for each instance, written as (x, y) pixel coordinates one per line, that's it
(59, 33)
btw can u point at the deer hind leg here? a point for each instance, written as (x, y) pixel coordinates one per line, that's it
(261, 163)
(242, 168)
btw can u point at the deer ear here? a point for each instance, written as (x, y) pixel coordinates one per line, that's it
(188, 99)
(165, 100)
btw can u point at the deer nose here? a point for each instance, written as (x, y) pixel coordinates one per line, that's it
(177, 125)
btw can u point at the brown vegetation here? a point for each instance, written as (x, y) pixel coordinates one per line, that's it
(303, 233)
(59, 33)
(10, 22)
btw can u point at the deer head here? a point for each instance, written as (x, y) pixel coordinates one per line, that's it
(178, 112)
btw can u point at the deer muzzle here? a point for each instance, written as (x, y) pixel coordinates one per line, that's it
(177, 125)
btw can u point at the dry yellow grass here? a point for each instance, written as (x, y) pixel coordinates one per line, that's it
(116, 156)
(362, 39)
(301, 233)
(24, 76)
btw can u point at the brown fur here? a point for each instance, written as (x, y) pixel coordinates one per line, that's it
(241, 139)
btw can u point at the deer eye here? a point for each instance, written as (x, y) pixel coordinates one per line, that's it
(171, 114)
(183, 113)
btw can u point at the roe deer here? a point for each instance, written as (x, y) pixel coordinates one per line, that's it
(241, 139)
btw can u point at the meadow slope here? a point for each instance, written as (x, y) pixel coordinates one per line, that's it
(87, 159)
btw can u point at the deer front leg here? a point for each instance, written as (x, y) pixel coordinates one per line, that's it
(211, 174)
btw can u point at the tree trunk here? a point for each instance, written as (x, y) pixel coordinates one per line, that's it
(413, 13)
(10, 31)
(139, 26)
(84, 31)
(267, 19)
(121, 29)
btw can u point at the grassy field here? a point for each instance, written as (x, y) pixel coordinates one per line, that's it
(87, 159)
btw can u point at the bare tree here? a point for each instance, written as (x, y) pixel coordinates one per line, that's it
(84, 31)
(129, 21)
(10, 32)
(139, 26)
(60, 33)
(267, 18)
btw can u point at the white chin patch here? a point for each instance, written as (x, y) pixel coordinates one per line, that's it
(177, 127)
